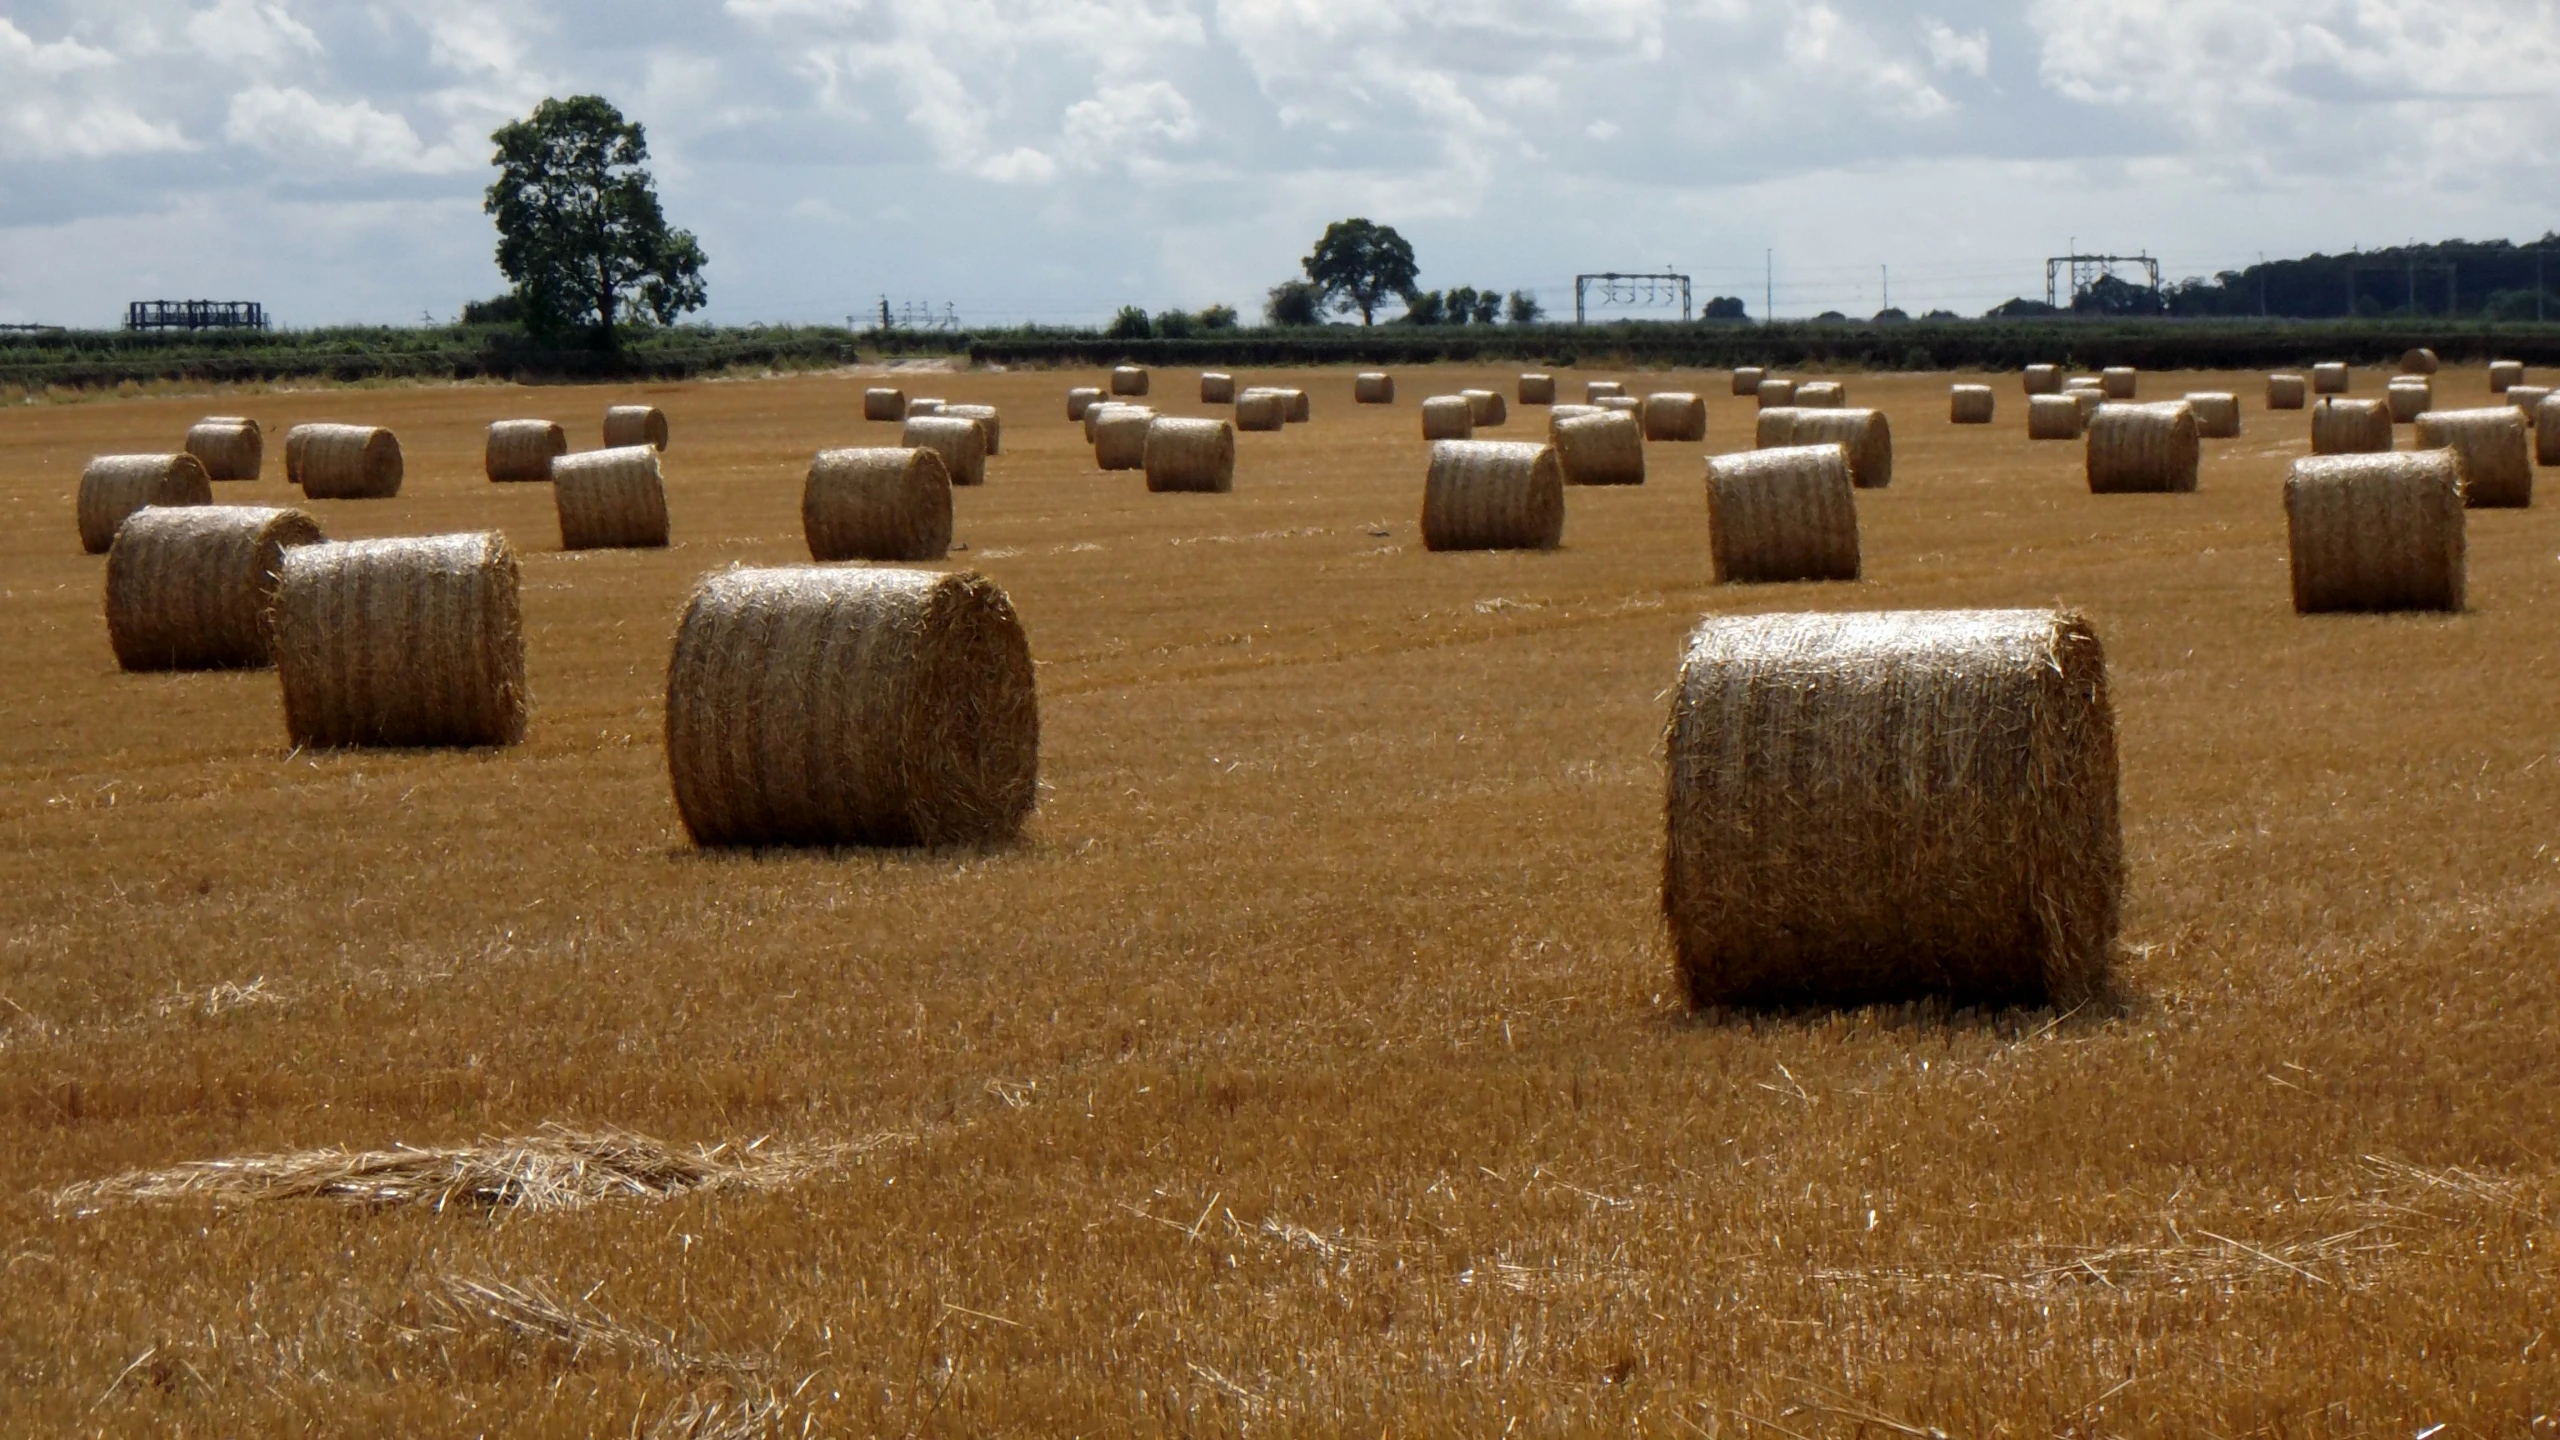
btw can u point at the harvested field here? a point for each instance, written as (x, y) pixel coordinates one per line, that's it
(1314, 1064)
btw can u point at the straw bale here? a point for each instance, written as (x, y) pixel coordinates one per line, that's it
(1295, 404)
(2420, 361)
(1128, 380)
(1747, 378)
(293, 441)
(2089, 402)
(2143, 449)
(1217, 388)
(1081, 399)
(626, 425)
(1449, 417)
(884, 403)
(2376, 532)
(961, 443)
(1774, 392)
(2409, 397)
(811, 706)
(231, 446)
(1602, 449)
(188, 587)
(2546, 431)
(1093, 417)
(1536, 389)
(2118, 381)
(1629, 403)
(2350, 427)
(2089, 383)
(1493, 495)
(2527, 399)
(1785, 514)
(2217, 413)
(1261, 410)
(348, 462)
(1567, 412)
(1821, 395)
(1373, 387)
(2053, 417)
(2286, 392)
(1969, 405)
(408, 642)
(1674, 415)
(1487, 405)
(1774, 428)
(2331, 377)
(520, 450)
(1592, 390)
(1882, 806)
(1193, 455)
(610, 499)
(2044, 379)
(924, 406)
(2503, 374)
(988, 420)
(891, 503)
(1120, 436)
(1865, 434)
(113, 487)
(2493, 450)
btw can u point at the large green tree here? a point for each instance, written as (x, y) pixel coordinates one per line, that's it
(580, 232)
(1359, 264)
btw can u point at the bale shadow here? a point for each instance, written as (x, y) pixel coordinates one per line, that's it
(2007, 1018)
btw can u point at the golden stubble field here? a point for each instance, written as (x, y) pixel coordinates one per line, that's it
(1314, 1067)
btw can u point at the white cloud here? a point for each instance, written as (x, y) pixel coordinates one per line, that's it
(51, 108)
(252, 34)
(299, 128)
(1951, 51)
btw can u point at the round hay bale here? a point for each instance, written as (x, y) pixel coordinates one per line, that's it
(1629, 403)
(1774, 428)
(1536, 389)
(1487, 405)
(2044, 379)
(2376, 532)
(1128, 380)
(987, 418)
(1593, 390)
(1821, 395)
(1120, 436)
(1878, 807)
(1774, 392)
(2053, 417)
(293, 442)
(2504, 374)
(348, 462)
(1093, 416)
(113, 487)
(1295, 405)
(520, 450)
(1493, 495)
(2118, 381)
(2420, 361)
(1785, 514)
(882, 403)
(2088, 402)
(1602, 449)
(1448, 417)
(1865, 435)
(923, 407)
(231, 447)
(892, 503)
(2286, 392)
(1195, 455)
(1747, 378)
(2527, 399)
(410, 642)
(1261, 410)
(2492, 448)
(2090, 383)
(2143, 449)
(1373, 387)
(1567, 412)
(811, 706)
(2409, 396)
(2350, 427)
(1674, 415)
(188, 587)
(1079, 400)
(2217, 413)
(2331, 377)
(2546, 430)
(1217, 388)
(610, 499)
(1969, 405)
(962, 444)
(627, 425)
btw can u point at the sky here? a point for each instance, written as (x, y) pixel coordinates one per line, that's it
(1053, 160)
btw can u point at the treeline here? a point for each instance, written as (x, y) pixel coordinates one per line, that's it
(2451, 279)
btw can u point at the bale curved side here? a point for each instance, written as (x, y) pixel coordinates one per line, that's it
(1261, 410)
(1774, 392)
(2043, 379)
(2409, 397)
(410, 642)
(1448, 417)
(2350, 427)
(1487, 407)
(231, 447)
(2287, 392)
(188, 588)
(626, 425)
(2527, 399)
(522, 450)
(1773, 428)
(113, 487)
(2119, 382)
(891, 503)
(2053, 417)
(2376, 532)
(610, 499)
(962, 444)
(1373, 387)
(1602, 449)
(1120, 436)
(988, 420)
(1747, 378)
(1674, 415)
(293, 442)
(2143, 449)
(2546, 430)
(1190, 455)
(1492, 495)
(2089, 402)
(1537, 389)
(1865, 435)
(1594, 390)
(924, 406)
(1081, 399)
(348, 462)
(1784, 514)
(1969, 405)
(2217, 413)
(2331, 377)
(2504, 374)
(1217, 388)
(2491, 447)
(1128, 380)
(1821, 395)
(881, 402)
(2420, 361)
(1295, 405)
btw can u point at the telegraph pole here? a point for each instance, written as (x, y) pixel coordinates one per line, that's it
(1768, 285)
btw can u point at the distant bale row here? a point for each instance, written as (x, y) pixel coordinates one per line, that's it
(114, 487)
(189, 588)
(1493, 495)
(1782, 514)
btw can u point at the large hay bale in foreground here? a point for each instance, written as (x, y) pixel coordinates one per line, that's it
(1262, 410)
(1602, 449)
(522, 450)
(813, 706)
(1196, 455)
(2546, 430)
(410, 642)
(1674, 415)
(2043, 379)
(1487, 406)
(347, 462)
(2143, 449)
(1079, 400)
(1217, 388)
(1128, 380)
(1493, 495)
(1821, 395)
(2409, 396)
(2053, 417)
(890, 503)
(1784, 514)
(1448, 417)
(1969, 405)
(2350, 427)
(883, 403)
(1865, 436)
(962, 444)
(113, 487)
(2217, 413)
(1537, 389)
(1775, 391)
(2119, 381)
(1373, 387)
(2495, 454)
(1120, 436)
(2286, 392)
(188, 587)
(2330, 377)
(610, 499)
(2504, 374)
(2376, 532)
(1747, 378)
(627, 425)
(1593, 390)
(988, 420)
(1878, 807)
(231, 447)
(2420, 361)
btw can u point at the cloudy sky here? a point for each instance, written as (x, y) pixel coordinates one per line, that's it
(1052, 160)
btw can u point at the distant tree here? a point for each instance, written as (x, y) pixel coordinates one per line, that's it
(1130, 324)
(1294, 302)
(1485, 309)
(1727, 307)
(1460, 305)
(580, 232)
(1830, 315)
(2019, 308)
(1942, 315)
(497, 310)
(1357, 265)
(1522, 308)
(1890, 315)
(2109, 295)
(1424, 307)
(1217, 317)
(1174, 324)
